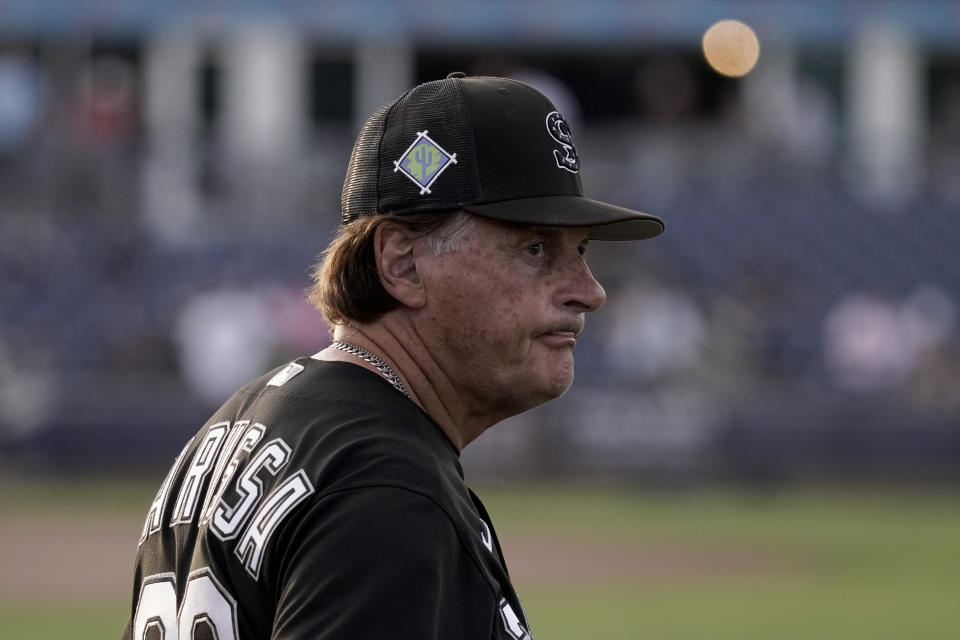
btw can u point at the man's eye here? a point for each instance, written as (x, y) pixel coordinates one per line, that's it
(536, 249)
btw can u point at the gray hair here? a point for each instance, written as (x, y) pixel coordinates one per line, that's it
(453, 236)
(346, 287)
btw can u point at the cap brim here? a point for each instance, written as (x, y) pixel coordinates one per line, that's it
(606, 221)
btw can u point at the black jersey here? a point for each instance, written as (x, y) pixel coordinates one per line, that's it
(319, 503)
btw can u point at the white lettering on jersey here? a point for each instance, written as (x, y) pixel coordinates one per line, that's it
(275, 508)
(218, 456)
(227, 521)
(155, 514)
(512, 622)
(228, 461)
(485, 536)
(206, 602)
(186, 505)
(284, 375)
(156, 608)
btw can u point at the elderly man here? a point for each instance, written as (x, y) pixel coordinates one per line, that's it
(326, 499)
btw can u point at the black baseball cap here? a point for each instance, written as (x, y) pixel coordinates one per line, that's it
(494, 147)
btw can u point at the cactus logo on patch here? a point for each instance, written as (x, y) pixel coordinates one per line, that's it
(424, 161)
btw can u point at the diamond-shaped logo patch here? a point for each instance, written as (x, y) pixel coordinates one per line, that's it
(424, 161)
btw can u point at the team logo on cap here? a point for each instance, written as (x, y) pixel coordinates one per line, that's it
(424, 161)
(560, 131)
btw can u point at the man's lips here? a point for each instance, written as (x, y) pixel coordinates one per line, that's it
(564, 333)
(574, 326)
(559, 339)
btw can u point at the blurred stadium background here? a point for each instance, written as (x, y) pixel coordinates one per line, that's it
(169, 171)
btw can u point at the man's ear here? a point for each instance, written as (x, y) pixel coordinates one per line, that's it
(394, 249)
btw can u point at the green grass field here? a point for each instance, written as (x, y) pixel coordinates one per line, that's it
(859, 565)
(832, 564)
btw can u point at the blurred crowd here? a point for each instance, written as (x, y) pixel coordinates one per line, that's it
(740, 291)
(770, 280)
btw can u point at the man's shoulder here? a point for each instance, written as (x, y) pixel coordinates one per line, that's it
(307, 379)
(316, 395)
(345, 426)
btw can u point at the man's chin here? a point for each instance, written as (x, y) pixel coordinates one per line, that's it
(561, 381)
(547, 379)
(527, 396)
(562, 388)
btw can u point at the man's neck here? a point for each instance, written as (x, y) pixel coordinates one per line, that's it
(429, 387)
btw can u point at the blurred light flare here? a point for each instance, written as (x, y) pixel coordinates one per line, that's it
(731, 48)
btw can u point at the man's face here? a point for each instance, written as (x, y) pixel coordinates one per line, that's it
(503, 314)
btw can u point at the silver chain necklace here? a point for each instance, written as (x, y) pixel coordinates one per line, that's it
(381, 366)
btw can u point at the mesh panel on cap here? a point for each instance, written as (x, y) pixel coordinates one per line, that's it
(440, 108)
(359, 194)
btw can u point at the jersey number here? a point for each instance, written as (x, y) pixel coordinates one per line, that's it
(208, 611)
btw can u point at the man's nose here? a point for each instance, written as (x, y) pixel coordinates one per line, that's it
(584, 293)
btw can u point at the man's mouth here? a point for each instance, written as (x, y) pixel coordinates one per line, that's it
(571, 328)
(564, 335)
